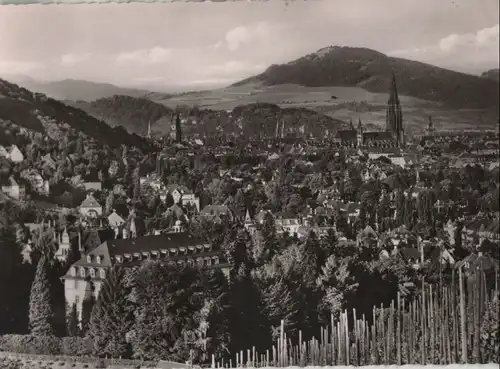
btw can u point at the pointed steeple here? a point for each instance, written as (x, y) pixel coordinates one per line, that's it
(351, 125)
(149, 129)
(394, 114)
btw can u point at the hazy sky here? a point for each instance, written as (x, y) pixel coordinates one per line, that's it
(215, 43)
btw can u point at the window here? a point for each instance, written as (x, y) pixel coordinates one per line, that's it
(102, 273)
(73, 271)
(92, 273)
(89, 259)
(98, 259)
(82, 272)
(77, 300)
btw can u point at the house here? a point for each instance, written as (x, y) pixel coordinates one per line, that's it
(15, 155)
(36, 181)
(14, 190)
(184, 196)
(170, 249)
(90, 207)
(216, 212)
(286, 222)
(115, 220)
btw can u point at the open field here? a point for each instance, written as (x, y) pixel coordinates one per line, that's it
(341, 103)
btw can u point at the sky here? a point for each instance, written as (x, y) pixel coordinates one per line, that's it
(213, 44)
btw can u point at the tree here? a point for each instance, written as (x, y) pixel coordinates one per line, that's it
(109, 202)
(279, 305)
(167, 302)
(72, 322)
(112, 316)
(490, 332)
(40, 313)
(337, 282)
(87, 305)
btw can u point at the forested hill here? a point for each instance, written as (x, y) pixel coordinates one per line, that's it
(372, 70)
(34, 111)
(249, 120)
(133, 113)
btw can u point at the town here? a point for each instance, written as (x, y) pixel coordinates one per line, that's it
(197, 249)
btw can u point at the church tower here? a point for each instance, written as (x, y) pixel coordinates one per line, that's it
(178, 132)
(429, 131)
(394, 115)
(359, 133)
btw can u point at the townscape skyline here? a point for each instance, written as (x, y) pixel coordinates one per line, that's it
(164, 48)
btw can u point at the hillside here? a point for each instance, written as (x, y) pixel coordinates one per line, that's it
(493, 74)
(371, 70)
(133, 113)
(71, 89)
(32, 110)
(249, 120)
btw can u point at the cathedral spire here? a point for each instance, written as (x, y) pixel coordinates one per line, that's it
(394, 114)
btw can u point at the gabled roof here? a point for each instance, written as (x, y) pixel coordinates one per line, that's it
(90, 202)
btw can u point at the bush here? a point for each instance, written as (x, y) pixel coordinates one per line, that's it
(76, 346)
(29, 344)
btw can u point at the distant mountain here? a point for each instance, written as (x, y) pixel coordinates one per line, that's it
(493, 74)
(71, 89)
(371, 70)
(34, 111)
(133, 113)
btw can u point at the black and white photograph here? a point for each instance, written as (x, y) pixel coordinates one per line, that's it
(250, 184)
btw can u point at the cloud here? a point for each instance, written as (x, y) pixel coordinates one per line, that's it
(474, 50)
(8, 67)
(72, 59)
(241, 35)
(155, 55)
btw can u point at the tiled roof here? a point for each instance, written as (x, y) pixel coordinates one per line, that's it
(377, 136)
(215, 210)
(90, 202)
(347, 135)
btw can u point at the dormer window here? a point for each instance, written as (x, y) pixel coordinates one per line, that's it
(98, 259)
(102, 273)
(89, 259)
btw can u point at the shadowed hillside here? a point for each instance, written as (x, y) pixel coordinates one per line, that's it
(371, 70)
(28, 109)
(133, 113)
(493, 74)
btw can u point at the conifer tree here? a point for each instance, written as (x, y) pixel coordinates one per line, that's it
(87, 306)
(72, 322)
(40, 313)
(112, 316)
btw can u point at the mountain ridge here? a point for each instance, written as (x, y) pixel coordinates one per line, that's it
(77, 89)
(371, 70)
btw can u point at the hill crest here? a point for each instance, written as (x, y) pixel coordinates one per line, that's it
(371, 70)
